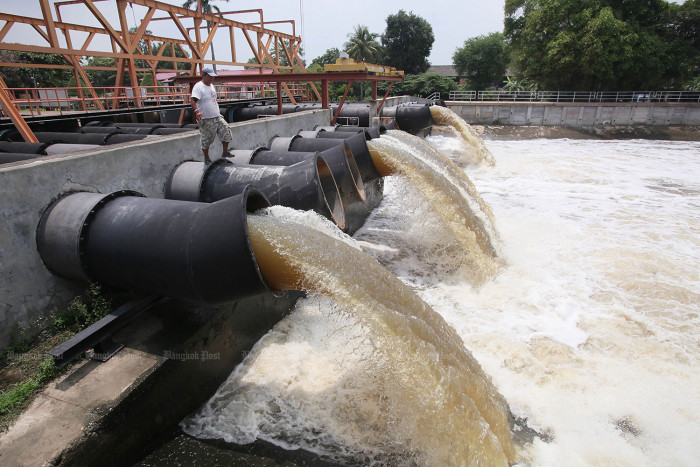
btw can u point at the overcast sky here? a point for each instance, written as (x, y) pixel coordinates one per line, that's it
(326, 23)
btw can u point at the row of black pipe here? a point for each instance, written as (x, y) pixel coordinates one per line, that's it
(93, 134)
(194, 244)
(411, 117)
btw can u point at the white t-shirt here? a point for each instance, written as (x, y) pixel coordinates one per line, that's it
(206, 100)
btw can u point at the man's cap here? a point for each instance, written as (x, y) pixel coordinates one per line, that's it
(209, 71)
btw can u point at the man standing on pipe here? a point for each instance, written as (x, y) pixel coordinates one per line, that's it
(206, 114)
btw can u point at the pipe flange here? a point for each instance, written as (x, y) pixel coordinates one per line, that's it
(278, 143)
(85, 228)
(245, 156)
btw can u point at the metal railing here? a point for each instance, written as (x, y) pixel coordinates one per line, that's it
(34, 101)
(462, 95)
(434, 96)
(577, 96)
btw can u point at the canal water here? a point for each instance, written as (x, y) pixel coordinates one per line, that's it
(587, 325)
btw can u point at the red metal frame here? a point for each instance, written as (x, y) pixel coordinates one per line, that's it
(130, 59)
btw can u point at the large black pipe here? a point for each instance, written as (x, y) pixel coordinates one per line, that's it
(354, 114)
(172, 131)
(410, 117)
(144, 125)
(192, 251)
(370, 131)
(263, 156)
(140, 130)
(24, 148)
(358, 146)
(121, 138)
(257, 111)
(72, 138)
(100, 129)
(342, 162)
(307, 185)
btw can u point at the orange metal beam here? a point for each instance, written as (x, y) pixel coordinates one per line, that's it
(5, 29)
(12, 111)
(183, 31)
(121, 9)
(105, 24)
(292, 77)
(48, 22)
(342, 101)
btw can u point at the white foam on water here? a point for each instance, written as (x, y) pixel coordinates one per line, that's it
(591, 332)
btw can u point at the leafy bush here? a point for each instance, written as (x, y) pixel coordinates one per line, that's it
(83, 310)
(16, 395)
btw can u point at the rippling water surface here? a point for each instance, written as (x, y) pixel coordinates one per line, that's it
(592, 329)
(589, 329)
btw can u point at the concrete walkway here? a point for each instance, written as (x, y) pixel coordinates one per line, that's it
(65, 409)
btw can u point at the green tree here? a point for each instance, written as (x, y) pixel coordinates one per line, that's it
(167, 52)
(27, 77)
(103, 78)
(421, 85)
(329, 57)
(589, 44)
(407, 42)
(482, 60)
(682, 31)
(207, 7)
(362, 45)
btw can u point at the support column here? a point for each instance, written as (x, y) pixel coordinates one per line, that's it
(13, 112)
(324, 94)
(279, 97)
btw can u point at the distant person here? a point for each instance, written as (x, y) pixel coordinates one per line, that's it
(206, 114)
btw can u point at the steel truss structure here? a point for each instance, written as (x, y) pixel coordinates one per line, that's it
(136, 53)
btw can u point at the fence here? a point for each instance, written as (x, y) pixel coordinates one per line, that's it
(577, 96)
(71, 99)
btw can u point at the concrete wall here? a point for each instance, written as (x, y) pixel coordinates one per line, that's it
(577, 115)
(28, 291)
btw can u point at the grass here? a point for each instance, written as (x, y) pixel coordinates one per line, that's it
(26, 367)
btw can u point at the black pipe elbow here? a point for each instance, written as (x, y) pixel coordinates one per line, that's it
(190, 251)
(72, 138)
(412, 118)
(307, 185)
(370, 132)
(340, 159)
(123, 138)
(267, 157)
(100, 129)
(23, 148)
(358, 145)
(354, 114)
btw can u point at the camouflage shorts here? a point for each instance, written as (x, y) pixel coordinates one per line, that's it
(211, 127)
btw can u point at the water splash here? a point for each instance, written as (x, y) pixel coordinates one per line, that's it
(368, 373)
(450, 193)
(445, 116)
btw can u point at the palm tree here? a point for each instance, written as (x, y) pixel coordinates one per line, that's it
(363, 47)
(207, 7)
